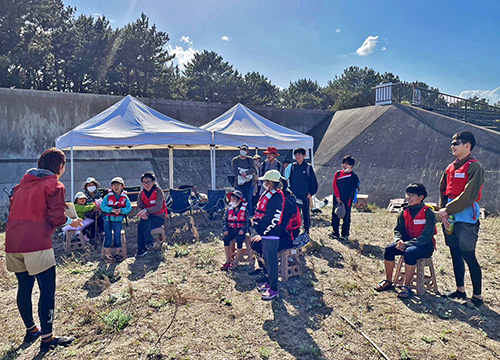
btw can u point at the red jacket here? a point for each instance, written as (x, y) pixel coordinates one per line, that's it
(36, 209)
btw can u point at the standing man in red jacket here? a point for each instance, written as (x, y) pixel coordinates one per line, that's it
(460, 189)
(36, 209)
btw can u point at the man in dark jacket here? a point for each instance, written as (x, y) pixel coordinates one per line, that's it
(303, 184)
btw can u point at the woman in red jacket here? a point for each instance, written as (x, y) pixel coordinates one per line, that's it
(36, 209)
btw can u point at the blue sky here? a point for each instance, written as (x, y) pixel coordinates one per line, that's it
(452, 45)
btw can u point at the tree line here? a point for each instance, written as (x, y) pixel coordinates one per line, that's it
(45, 46)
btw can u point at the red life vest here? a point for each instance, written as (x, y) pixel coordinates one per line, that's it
(415, 226)
(151, 201)
(457, 179)
(295, 221)
(116, 204)
(264, 201)
(237, 221)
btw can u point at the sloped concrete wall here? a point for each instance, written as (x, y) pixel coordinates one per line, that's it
(32, 120)
(396, 145)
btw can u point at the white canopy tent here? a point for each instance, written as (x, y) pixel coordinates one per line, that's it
(131, 125)
(241, 125)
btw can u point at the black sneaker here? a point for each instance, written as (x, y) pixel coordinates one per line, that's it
(141, 253)
(333, 235)
(476, 301)
(31, 336)
(55, 342)
(255, 272)
(456, 295)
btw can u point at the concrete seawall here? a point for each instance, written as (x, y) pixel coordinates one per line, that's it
(32, 120)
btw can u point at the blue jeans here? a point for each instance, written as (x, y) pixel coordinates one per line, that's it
(112, 234)
(248, 195)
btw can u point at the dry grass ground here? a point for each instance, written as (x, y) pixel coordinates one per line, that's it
(177, 304)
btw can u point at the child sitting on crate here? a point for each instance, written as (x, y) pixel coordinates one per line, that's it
(114, 206)
(413, 238)
(81, 208)
(236, 227)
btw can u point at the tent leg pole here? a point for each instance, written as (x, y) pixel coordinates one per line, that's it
(212, 167)
(171, 168)
(72, 177)
(311, 156)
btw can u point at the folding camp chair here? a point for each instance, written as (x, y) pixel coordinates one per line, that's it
(132, 192)
(179, 201)
(214, 209)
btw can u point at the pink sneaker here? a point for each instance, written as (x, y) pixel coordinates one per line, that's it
(263, 287)
(226, 266)
(270, 294)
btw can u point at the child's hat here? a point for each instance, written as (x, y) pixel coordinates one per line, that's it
(416, 188)
(90, 180)
(236, 193)
(271, 175)
(80, 195)
(117, 179)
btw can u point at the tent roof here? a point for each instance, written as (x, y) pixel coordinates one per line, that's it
(130, 124)
(241, 125)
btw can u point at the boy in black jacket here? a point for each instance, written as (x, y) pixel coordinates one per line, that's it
(303, 184)
(345, 184)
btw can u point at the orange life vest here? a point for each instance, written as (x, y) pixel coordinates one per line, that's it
(457, 179)
(415, 226)
(151, 201)
(121, 202)
(237, 220)
(264, 202)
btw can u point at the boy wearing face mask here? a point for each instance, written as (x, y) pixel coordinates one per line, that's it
(236, 226)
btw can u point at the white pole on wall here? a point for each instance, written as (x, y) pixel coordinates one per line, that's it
(171, 168)
(72, 177)
(212, 167)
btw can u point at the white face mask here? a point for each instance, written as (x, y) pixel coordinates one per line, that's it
(91, 189)
(243, 152)
(233, 204)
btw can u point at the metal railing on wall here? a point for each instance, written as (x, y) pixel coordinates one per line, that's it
(467, 110)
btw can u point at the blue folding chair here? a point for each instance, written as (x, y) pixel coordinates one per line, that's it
(214, 208)
(179, 201)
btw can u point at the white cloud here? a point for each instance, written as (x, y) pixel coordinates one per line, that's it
(492, 95)
(182, 56)
(384, 48)
(226, 38)
(368, 46)
(338, 30)
(185, 39)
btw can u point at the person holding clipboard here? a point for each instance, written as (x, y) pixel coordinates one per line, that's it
(37, 208)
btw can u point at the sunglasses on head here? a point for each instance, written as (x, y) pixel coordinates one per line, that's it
(456, 143)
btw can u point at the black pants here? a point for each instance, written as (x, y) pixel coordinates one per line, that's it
(144, 231)
(462, 244)
(346, 221)
(270, 249)
(458, 256)
(232, 235)
(304, 207)
(47, 284)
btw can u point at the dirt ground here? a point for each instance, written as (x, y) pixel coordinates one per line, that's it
(177, 304)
